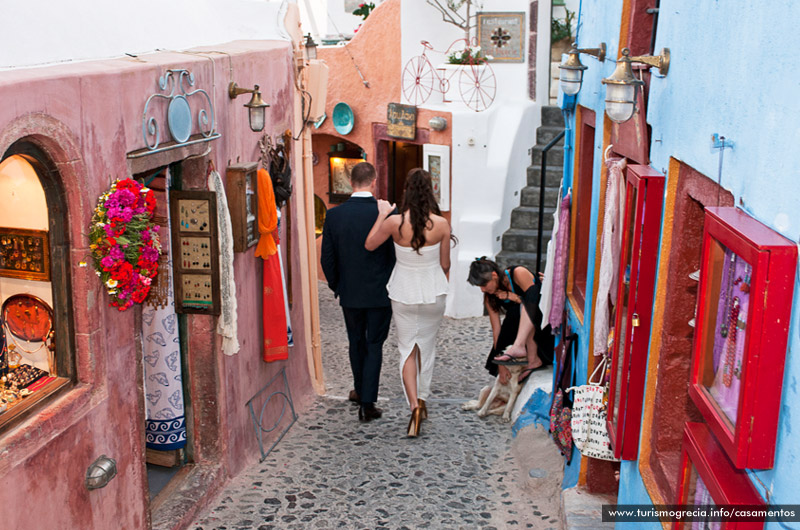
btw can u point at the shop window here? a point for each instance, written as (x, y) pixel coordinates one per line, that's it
(581, 208)
(36, 362)
(743, 316)
(634, 301)
(672, 328)
(708, 479)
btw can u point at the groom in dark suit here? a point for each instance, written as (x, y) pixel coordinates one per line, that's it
(358, 277)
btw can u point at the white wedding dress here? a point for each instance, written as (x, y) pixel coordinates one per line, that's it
(417, 289)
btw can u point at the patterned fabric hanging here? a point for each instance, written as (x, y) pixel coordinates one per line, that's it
(165, 423)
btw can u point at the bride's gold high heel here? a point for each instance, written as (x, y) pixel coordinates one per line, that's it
(424, 409)
(415, 422)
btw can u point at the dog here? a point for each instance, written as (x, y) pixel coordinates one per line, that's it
(500, 398)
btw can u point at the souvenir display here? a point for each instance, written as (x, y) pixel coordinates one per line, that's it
(124, 242)
(709, 479)
(633, 308)
(195, 248)
(240, 188)
(28, 327)
(24, 254)
(739, 350)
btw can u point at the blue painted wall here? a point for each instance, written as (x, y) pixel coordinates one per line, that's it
(732, 72)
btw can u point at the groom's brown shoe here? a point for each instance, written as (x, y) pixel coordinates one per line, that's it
(368, 412)
(353, 397)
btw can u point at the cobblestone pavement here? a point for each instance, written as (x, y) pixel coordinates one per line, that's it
(463, 472)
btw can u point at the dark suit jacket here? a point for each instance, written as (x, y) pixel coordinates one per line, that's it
(356, 275)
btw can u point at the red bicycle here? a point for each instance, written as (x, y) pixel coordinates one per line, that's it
(477, 83)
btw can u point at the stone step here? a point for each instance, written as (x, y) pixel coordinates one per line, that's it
(555, 156)
(527, 217)
(544, 134)
(552, 116)
(526, 259)
(552, 177)
(524, 240)
(530, 196)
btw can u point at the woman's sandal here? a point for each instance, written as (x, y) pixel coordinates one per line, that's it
(526, 373)
(507, 360)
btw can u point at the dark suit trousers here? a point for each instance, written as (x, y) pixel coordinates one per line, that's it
(367, 329)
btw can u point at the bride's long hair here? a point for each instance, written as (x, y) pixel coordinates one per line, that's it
(420, 202)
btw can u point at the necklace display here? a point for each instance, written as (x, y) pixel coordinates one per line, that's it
(723, 329)
(730, 352)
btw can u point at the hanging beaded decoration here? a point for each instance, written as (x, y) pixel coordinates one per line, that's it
(730, 353)
(723, 329)
(157, 297)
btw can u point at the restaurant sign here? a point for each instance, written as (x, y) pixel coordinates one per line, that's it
(401, 121)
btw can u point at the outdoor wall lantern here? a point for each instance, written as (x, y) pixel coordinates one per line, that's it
(438, 123)
(311, 48)
(100, 472)
(571, 75)
(621, 86)
(256, 107)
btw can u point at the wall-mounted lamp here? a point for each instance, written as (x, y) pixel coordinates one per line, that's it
(438, 123)
(256, 107)
(311, 48)
(571, 75)
(621, 86)
(100, 472)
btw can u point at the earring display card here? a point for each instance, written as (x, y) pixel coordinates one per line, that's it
(24, 254)
(741, 334)
(195, 249)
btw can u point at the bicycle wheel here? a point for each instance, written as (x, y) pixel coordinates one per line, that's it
(478, 86)
(418, 78)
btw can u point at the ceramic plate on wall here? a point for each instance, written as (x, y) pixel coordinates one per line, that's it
(343, 118)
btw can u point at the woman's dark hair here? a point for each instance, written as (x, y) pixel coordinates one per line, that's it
(420, 203)
(480, 273)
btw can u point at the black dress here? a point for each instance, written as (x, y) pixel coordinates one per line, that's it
(543, 338)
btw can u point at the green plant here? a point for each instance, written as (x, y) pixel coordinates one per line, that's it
(562, 29)
(469, 55)
(364, 10)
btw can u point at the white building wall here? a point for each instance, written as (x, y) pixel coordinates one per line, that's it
(39, 32)
(490, 152)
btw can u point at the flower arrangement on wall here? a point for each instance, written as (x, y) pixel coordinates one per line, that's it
(364, 10)
(469, 55)
(124, 242)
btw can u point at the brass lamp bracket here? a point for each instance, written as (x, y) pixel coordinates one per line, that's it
(599, 52)
(660, 61)
(235, 90)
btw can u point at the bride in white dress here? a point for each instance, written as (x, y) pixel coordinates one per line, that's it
(418, 285)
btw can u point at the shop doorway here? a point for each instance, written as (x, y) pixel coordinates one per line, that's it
(163, 352)
(402, 157)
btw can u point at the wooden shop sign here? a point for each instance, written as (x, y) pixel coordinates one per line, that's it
(401, 121)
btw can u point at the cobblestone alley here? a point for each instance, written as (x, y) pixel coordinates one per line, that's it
(330, 471)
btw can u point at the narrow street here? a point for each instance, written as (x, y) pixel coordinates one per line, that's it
(330, 471)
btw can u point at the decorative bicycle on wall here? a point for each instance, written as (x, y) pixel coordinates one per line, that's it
(477, 83)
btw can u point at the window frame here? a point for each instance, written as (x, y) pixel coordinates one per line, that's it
(60, 284)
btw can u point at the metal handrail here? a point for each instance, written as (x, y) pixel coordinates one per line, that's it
(542, 177)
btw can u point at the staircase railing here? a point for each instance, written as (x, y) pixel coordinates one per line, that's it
(542, 178)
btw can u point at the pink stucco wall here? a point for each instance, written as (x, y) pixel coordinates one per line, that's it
(87, 117)
(376, 51)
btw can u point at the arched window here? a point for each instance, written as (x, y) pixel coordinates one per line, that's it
(37, 359)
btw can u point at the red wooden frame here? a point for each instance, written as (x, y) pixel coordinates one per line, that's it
(751, 441)
(582, 208)
(643, 213)
(725, 483)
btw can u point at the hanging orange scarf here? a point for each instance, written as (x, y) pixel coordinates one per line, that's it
(276, 339)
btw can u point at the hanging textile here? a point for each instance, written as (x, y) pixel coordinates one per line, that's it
(289, 337)
(165, 422)
(546, 295)
(276, 345)
(227, 324)
(610, 247)
(560, 265)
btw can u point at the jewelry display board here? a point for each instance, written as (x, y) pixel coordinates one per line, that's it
(708, 479)
(24, 254)
(240, 188)
(195, 251)
(633, 308)
(742, 325)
